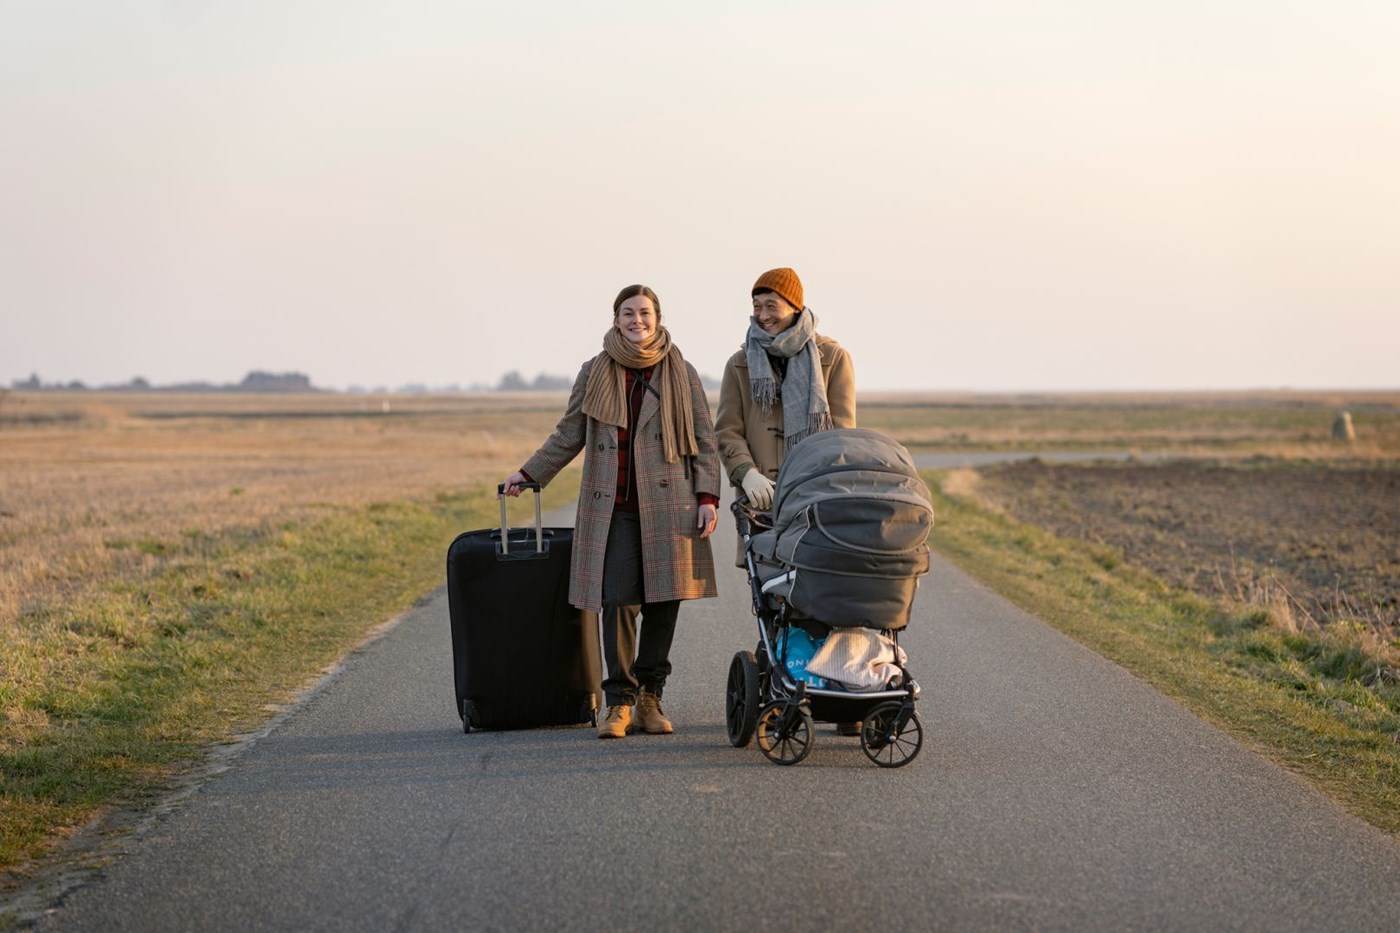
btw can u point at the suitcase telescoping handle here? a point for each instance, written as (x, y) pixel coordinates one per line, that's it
(539, 520)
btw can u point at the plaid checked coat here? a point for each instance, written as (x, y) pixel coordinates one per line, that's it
(676, 561)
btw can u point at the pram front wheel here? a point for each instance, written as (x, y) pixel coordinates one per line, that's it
(785, 739)
(890, 736)
(741, 699)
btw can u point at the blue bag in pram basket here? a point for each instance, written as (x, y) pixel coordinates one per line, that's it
(797, 648)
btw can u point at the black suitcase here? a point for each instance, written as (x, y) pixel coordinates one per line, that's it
(521, 655)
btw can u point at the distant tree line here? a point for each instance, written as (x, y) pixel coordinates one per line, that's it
(259, 381)
(513, 381)
(255, 381)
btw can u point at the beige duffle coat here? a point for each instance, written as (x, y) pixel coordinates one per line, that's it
(676, 561)
(747, 439)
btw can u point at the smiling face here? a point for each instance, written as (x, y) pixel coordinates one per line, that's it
(636, 318)
(773, 313)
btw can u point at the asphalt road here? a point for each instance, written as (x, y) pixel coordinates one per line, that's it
(1054, 792)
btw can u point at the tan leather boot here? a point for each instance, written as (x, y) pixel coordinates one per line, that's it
(617, 723)
(650, 719)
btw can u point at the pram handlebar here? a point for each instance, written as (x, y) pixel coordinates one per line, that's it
(747, 518)
(744, 519)
(741, 518)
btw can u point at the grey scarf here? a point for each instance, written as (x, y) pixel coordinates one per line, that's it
(805, 408)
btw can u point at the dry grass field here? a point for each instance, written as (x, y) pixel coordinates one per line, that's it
(101, 486)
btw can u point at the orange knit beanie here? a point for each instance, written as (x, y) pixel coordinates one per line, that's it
(783, 281)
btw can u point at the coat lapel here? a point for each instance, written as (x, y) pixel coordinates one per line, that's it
(650, 406)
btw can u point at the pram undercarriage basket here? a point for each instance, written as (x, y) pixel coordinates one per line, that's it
(843, 548)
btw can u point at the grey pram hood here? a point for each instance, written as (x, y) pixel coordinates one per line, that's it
(851, 519)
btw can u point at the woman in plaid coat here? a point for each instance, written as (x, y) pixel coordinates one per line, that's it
(647, 503)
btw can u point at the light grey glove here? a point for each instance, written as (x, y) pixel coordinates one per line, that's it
(758, 488)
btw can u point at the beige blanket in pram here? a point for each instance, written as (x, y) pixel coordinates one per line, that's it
(860, 659)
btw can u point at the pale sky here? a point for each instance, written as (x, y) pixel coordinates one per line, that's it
(984, 196)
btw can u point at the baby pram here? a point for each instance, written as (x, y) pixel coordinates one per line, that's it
(839, 557)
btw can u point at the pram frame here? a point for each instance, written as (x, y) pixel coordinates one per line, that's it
(891, 733)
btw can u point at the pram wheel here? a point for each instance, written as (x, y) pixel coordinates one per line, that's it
(889, 737)
(741, 699)
(784, 739)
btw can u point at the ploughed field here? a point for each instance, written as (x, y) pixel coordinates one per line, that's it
(1314, 542)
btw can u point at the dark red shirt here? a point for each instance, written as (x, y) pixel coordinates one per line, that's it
(636, 390)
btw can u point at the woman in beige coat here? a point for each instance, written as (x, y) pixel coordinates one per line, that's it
(646, 505)
(785, 383)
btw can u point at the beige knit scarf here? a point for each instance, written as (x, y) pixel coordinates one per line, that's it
(604, 398)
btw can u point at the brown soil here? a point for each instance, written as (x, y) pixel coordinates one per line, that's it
(1321, 539)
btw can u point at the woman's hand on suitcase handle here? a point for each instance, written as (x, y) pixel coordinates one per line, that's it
(512, 484)
(706, 518)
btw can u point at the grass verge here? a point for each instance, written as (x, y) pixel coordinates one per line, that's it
(1317, 703)
(105, 698)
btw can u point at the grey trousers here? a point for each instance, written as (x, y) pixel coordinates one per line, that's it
(632, 663)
